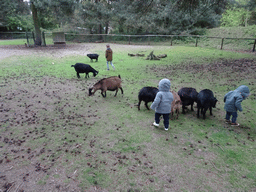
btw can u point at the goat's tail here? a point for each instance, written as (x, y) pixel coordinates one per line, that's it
(119, 76)
(72, 65)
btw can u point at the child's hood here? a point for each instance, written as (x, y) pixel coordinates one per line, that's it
(244, 90)
(164, 85)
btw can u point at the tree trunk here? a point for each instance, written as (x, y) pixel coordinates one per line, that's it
(38, 40)
(106, 29)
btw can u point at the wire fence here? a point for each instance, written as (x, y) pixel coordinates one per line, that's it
(247, 44)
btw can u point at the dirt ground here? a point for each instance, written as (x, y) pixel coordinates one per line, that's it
(23, 172)
(56, 51)
(20, 168)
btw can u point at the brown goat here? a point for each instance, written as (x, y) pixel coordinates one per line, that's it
(176, 103)
(111, 84)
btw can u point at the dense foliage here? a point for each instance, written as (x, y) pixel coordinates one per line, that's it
(126, 16)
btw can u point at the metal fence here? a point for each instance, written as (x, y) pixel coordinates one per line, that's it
(168, 40)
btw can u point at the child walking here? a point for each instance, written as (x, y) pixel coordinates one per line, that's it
(162, 103)
(233, 101)
(109, 57)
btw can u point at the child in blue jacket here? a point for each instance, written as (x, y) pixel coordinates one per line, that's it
(233, 101)
(162, 103)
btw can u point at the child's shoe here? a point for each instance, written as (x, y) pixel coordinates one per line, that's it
(235, 124)
(166, 129)
(155, 124)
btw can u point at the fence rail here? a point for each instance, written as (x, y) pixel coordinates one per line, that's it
(29, 36)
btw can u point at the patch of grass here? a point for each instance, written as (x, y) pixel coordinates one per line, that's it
(41, 182)
(110, 143)
(13, 42)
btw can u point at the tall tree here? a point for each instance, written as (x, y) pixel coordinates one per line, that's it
(95, 15)
(11, 13)
(60, 7)
(38, 38)
(167, 16)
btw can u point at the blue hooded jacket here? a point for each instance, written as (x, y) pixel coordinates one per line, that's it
(234, 98)
(164, 98)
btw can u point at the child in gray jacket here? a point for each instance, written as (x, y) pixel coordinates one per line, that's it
(233, 101)
(162, 103)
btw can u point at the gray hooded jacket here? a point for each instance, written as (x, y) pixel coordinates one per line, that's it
(164, 98)
(234, 98)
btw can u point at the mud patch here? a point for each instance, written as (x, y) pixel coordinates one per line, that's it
(225, 68)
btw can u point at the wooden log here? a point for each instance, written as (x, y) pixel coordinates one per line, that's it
(162, 56)
(253, 49)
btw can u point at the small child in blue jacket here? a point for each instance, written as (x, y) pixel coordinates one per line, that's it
(233, 101)
(162, 103)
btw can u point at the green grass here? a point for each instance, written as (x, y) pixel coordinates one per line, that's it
(49, 41)
(110, 143)
(13, 42)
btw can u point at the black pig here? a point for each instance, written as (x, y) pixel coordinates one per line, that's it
(147, 94)
(205, 100)
(188, 96)
(93, 56)
(84, 68)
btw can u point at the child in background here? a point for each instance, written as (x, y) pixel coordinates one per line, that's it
(109, 56)
(233, 101)
(162, 103)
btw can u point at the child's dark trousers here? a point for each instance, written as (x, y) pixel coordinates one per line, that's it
(166, 119)
(233, 114)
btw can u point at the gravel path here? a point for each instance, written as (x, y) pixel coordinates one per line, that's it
(55, 51)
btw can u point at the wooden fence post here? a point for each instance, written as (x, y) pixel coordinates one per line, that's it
(129, 39)
(27, 38)
(43, 38)
(253, 49)
(33, 36)
(148, 40)
(171, 40)
(196, 41)
(222, 41)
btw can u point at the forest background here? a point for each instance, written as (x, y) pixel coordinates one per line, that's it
(133, 17)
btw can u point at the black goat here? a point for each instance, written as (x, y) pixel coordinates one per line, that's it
(84, 68)
(93, 56)
(147, 94)
(188, 96)
(205, 100)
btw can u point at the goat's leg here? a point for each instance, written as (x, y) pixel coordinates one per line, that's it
(198, 111)
(102, 93)
(172, 115)
(121, 90)
(210, 110)
(177, 113)
(183, 109)
(139, 104)
(146, 105)
(192, 106)
(204, 113)
(116, 92)
(77, 74)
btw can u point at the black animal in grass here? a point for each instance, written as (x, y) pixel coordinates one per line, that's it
(93, 56)
(84, 68)
(147, 94)
(205, 100)
(188, 96)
